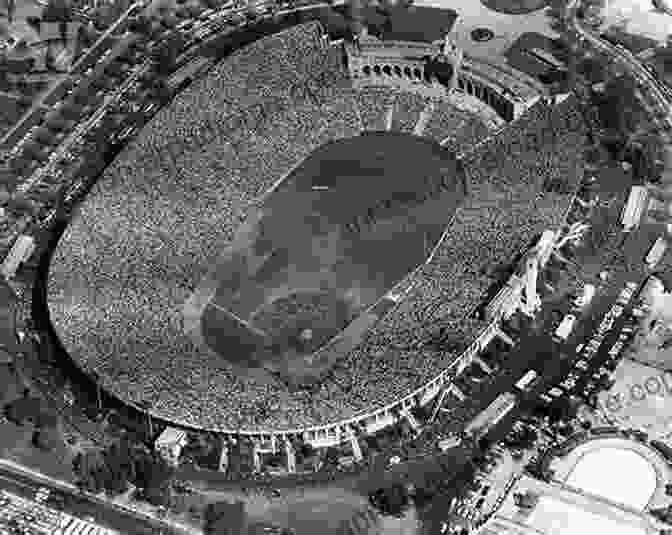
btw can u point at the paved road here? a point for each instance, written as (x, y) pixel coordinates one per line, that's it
(553, 361)
(56, 91)
(26, 484)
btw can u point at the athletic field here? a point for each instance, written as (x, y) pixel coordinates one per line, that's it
(327, 242)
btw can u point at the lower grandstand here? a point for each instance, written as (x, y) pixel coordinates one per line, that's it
(173, 200)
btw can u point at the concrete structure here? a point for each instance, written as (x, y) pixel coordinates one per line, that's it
(656, 252)
(21, 251)
(291, 456)
(636, 205)
(502, 89)
(520, 291)
(403, 65)
(224, 458)
(604, 483)
(169, 444)
(562, 510)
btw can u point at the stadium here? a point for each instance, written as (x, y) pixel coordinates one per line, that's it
(235, 272)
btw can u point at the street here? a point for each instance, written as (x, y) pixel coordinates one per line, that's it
(25, 484)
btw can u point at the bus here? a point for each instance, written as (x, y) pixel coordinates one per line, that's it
(565, 328)
(634, 208)
(526, 381)
(487, 419)
(656, 252)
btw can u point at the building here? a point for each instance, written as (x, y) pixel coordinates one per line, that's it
(634, 208)
(487, 419)
(433, 70)
(586, 494)
(169, 444)
(20, 252)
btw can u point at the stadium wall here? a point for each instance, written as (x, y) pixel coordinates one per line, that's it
(332, 433)
(403, 65)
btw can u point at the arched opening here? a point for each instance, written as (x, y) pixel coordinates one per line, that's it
(387, 70)
(460, 83)
(417, 73)
(470, 87)
(397, 71)
(376, 70)
(407, 72)
(367, 70)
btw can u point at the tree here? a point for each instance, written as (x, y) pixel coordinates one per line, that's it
(140, 24)
(19, 204)
(526, 500)
(91, 470)
(392, 500)
(119, 459)
(154, 475)
(30, 410)
(165, 54)
(225, 518)
(48, 438)
(34, 22)
(11, 9)
(49, 58)
(331, 456)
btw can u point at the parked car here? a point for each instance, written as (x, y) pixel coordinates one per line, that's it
(581, 365)
(555, 392)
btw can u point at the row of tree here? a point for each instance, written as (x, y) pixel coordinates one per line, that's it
(121, 463)
(47, 427)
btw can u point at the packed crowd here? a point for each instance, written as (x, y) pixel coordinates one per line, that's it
(373, 103)
(144, 355)
(445, 118)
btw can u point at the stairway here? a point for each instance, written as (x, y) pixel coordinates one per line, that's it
(425, 116)
(373, 103)
(407, 109)
(389, 116)
(386, 109)
(466, 135)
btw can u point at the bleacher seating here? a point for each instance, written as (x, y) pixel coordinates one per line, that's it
(374, 103)
(227, 151)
